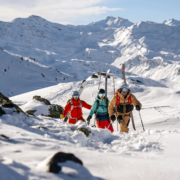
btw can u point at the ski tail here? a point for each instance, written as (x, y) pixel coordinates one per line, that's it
(106, 82)
(99, 79)
(123, 73)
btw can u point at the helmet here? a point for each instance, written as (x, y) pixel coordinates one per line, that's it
(75, 93)
(124, 88)
(101, 91)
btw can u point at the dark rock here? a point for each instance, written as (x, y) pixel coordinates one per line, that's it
(38, 98)
(139, 81)
(55, 111)
(3, 136)
(94, 76)
(61, 157)
(85, 131)
(31, 112)
(7, 103)
(42, 75)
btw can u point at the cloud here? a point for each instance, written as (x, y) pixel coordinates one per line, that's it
(53, 10)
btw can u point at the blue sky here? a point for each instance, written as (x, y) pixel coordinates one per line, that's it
(87, 11)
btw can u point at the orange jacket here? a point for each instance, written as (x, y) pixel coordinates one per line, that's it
(76, 112)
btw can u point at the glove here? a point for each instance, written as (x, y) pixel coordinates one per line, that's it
(138, 108)
(120, 119)
(113, 118)
(88, 119)
(62, 116)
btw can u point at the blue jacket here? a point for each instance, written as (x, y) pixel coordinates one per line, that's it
(102, 111)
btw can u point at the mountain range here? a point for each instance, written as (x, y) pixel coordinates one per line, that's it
(148, 49)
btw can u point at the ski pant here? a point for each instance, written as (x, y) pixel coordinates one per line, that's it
(74, 121)
(106, 123)
(123, 124)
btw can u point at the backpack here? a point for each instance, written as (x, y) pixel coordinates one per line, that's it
(118, 99)
(95, 112)
(72, 105)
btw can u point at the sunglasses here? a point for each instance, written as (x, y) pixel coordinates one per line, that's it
(101, 95)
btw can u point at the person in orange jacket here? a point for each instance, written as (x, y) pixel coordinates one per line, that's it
(123, 101)
(74, 107)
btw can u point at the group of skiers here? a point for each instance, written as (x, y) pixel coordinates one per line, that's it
(106, 112)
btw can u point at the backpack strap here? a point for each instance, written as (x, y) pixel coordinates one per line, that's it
(96, 106)
(72, 105)
(80, 104)
(129, 100)
(118, 99)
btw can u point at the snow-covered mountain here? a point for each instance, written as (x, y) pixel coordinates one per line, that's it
(151, 53)
(147, 48)
(142, 46)
(21, 74)
(150, 49)
(110, 21)
(172, 22)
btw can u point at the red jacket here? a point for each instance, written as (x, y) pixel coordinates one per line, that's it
(76, 113)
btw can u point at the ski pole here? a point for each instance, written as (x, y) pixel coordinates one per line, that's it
(99, 79)
(141, 121)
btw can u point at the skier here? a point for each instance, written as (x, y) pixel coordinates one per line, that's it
(100, 108)
(122, 101)
(75, 108)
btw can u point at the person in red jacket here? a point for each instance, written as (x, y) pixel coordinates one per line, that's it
(74, 107)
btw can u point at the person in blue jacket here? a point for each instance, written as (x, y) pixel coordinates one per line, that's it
(100, 108)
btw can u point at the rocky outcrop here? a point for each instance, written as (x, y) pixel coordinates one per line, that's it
(55, 111)
(61, 157)
(31, 112)
(6, 103)
(39, 98)
(85, 131)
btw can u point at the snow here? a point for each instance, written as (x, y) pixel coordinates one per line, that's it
(151, 55)
(172, 22)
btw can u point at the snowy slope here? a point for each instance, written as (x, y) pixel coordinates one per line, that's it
(150, 50)
(154, 152)
(147, 48)
(22, 74)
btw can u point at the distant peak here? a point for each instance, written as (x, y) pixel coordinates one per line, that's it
(109, 17)
(172, 22)
(32, 17)
(35, 17)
